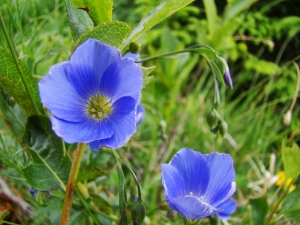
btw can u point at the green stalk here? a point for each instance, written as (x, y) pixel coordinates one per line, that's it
(15, 57)
(65, 215)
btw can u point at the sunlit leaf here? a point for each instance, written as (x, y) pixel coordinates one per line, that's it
(50, 165)
(99, 10)
(291, 161)
(161, 12)
(11, 81)
(112, 33)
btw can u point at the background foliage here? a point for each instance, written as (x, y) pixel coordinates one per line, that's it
(260, 40)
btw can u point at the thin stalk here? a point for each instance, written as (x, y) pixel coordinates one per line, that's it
(277, 203)
(65, 215)
(136, 180)
(297, 87)
(15, 57)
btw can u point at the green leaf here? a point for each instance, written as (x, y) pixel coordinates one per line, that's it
(235, 7)
(211, 15)
(11, 120)
(112, 33)
(3, 214)
(218, 72)
(79, 20)
(259, 210)
(161, 12)
(261, 66)
(11, 81)
(291, 204)
(50, 165)
(99, 10)
(291, 161)
(90, 173)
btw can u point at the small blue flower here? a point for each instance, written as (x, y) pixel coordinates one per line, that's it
(196, 185)
(93, 97)
(140, 112)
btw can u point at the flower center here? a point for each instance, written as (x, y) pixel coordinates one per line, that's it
(98, 107)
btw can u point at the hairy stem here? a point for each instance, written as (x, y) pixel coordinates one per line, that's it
(65, 215)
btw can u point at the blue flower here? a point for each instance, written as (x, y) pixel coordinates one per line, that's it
(93, 97)
(196, 185)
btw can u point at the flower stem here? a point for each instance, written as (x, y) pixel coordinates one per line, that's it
(65, 215)
(15, 57)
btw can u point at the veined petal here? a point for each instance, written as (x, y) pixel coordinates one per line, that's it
(86, 131)
(122, 78)
(123, 126)
(172, 181)
(191, 207)
(228, 207)
(123, 105)
(221, 180)
(58, 95)
(194, 169)
(89, 61)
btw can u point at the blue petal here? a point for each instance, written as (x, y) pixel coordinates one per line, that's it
(191, 207)
(123, 105)
(123, 126)
(228, 207)
(172, 181)
(89, 61)
(132, 56)
(58, 95)
(140, 112)
(86, 131)
(221, 184)
(121, 78)
(193, 167)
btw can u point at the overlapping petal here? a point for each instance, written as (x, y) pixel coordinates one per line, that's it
(59, 96)
(88, 63)
(194, 171)
(228, 207)
(173, 187)
(85, 131)
(221, 179)
(192, 208)
(122, 78)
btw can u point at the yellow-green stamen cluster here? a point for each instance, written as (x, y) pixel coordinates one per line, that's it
(98, 107)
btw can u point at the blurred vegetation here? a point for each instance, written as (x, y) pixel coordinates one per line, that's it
(259, 39)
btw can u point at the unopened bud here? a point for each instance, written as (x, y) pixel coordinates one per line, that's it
(138, 212)
(223, 128)
(213, 118)
(287, 118)
(225, 70)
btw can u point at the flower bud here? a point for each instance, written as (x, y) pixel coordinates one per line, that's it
(226, 72)
(223, 128)
(138, 212)
(287, 118)
(213, 118)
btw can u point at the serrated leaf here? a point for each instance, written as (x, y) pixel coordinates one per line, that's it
(11, 81)
(291, 161)
(11, 120)
(112, 33)
(79, 20)
(259, 210)
(146, 72)
(158, 14)
(99, 10)
(50, 165)
(291, 204)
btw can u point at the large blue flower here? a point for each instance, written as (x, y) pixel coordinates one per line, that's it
(93, 97)
(196, 185)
